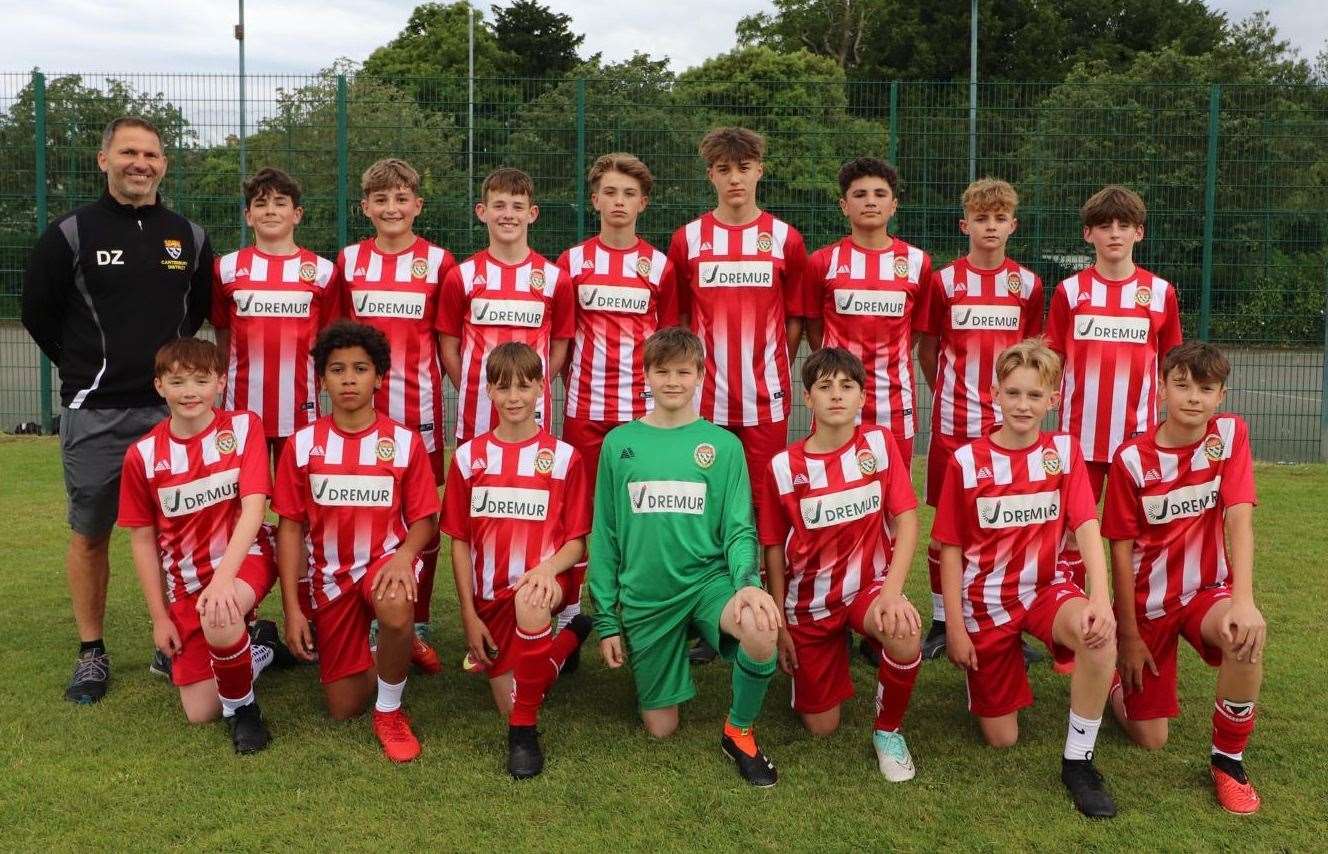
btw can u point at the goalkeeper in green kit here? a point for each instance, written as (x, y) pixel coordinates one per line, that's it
(673, 550)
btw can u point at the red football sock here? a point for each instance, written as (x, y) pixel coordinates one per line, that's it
(894, 687)
(1233, 721)
(233, 668)
(539, 660)
(424, 590)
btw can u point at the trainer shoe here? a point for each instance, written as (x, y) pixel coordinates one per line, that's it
(525, 759)
(160, 665)
(265, 633)
(92, 674)
(260, 658)
(1233, 788)
(933, 645)
(248, 731)
(739, 744)
(393, 731)
(701, 652)
(422, 655)
(1087, 788)
(892, 756)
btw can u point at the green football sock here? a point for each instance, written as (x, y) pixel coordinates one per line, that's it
(750, 681)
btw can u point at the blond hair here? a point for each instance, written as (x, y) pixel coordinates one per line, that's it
(388, 174)
(1031, 353)
(986, 195)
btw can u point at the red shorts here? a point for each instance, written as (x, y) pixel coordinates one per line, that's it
(760, 443)
(436, 463)
(939, 452)
(587, 437)
(193, 663)
(821, 680)
(499, 617)
(1097, 478)
(1000, 685)
(275, 445)
(341, 628)
(1157, 698)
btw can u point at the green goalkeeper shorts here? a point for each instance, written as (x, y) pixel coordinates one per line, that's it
(660, 668)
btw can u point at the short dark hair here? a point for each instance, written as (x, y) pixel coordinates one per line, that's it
(128, 122)
(270, 181)
(1114, 203)
(346, 333)
(674, 344)
(513, 360)
(508, 180)
(868, 167)
(1201, 360)
(829, 361)
(188, 354)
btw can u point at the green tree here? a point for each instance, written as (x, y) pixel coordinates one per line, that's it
(540, 40)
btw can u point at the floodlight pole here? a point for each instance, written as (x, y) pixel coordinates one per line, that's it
(470, 110)
(239, 37)
(973, 91)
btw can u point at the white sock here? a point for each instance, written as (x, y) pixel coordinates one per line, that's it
(1236, 756)
(566, 615)
(389, 696)
(228, 707)
(1080, 737)
(259, 658)
(937, 608)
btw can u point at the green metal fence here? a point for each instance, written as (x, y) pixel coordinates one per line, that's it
(1236, 178)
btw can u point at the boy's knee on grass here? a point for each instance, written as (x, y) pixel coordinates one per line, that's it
(1000, 732)
(822, 724)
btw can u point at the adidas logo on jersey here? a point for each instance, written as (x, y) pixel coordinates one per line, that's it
(316, 451)
(360, 271)
(984, 473)
(800, 479)
(842, 271)
(243, 271)
(587, 264)
(705, 247)
(627, 454)
(479, 281)
(162, 465)
(1152, 475)
(961, 287)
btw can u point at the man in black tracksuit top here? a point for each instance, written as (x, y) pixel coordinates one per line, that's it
(107, 285)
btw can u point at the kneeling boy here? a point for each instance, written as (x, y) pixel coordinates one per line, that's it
(840, 513)
(673, 549)
(1176, 496)
(192, 493)
(518, 510)
(356, 491)
(1008, 501)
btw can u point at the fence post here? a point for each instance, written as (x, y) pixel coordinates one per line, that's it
(1323, 390)
(343, 162)
(39, 187)
(892, 153)
(580, 176)
(1210, 212)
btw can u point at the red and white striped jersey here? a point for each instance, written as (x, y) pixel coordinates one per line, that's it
(486, 303)
(622, 297)
(1172, 502)
(515, 504)
(274, 306)
(975, 314)
(357, 493)
(871, 302)
(834, 514)
(190, 491)
(738, 285)
(1112, 336)
(1010, 511)
(397, 294)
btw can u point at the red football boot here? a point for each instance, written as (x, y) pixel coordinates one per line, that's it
(1234, 791)
(393, 731)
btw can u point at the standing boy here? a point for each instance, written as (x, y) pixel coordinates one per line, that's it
(193, 492)
(391, 282)
(673, 550)
(1111, 324)
(1008, 502)
(506, 292)
(839, 513)
(867, 293)
(269, 301)
(740, 272)
(1177, 496)
(977, 306)
(355, 491)
(518, 510)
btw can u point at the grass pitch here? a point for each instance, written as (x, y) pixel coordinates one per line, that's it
(129, 773)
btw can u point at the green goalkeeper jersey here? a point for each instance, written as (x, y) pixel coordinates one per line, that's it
(673, 509)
